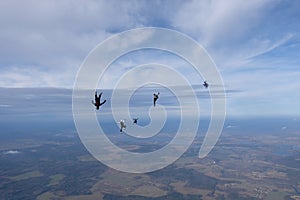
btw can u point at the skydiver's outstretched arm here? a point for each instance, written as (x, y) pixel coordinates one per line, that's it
(103, 102)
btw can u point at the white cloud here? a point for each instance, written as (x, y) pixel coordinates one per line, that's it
(214, 21)
(5, 105)
(233, 31)
(53, 36)
(33, 76)
(11, 152)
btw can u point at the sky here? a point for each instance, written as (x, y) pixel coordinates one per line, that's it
(254, 44)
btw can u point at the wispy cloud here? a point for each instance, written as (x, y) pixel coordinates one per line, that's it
(11, 152)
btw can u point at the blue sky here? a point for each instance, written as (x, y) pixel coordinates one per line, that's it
(255, 44)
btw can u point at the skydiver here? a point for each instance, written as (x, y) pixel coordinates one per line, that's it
(155, 97)
(97, 101)
(205, 84)
(123, 125)
(135, 120)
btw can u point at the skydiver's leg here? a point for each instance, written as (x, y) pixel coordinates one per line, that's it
(155, 99)
(99, 97)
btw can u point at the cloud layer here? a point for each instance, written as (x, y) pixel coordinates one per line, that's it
(255, 44)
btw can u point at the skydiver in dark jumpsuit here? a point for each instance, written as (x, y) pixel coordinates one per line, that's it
(97, 102)
(205, 84)
(155, 97)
